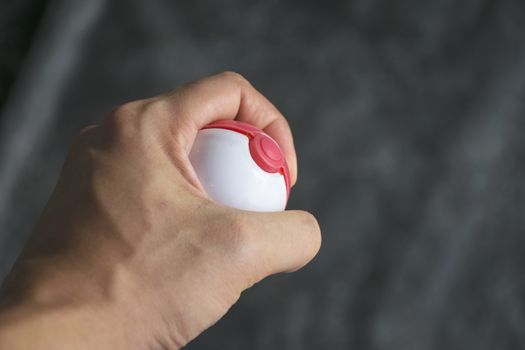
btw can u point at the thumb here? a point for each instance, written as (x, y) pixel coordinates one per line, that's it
(281, 241)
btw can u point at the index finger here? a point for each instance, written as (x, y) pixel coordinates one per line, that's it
(228, 95)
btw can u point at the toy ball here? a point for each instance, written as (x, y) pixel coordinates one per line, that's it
(240, 166)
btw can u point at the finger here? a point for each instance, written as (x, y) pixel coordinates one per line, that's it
(282, 242)
(228, 96)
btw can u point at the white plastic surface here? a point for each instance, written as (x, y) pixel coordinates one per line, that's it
(229, 175)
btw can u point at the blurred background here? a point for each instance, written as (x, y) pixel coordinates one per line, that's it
(409, 122)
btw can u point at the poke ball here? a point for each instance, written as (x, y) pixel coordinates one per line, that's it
(240, 166)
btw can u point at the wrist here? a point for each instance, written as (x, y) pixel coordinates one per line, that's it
(58, 307)
(30, 326)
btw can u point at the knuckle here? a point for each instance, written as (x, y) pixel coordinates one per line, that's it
(157, 107)
(234, 76)
(119, 119)
(125, 121)
(138, 124)
(311, 225)
(126, 110)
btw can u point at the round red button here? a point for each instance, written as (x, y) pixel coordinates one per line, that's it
(266, 153)
(271, 149)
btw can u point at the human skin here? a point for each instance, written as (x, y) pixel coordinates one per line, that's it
(129, 252)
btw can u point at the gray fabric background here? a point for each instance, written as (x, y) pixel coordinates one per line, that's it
(409, 125)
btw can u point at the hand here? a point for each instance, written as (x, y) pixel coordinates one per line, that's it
(129, 252)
